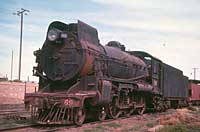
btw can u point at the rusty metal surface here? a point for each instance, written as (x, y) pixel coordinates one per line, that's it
(91, 52)
(61, 95)
(116, 53)
(195, 91)
(105, 90)
(123, 65)
(87, 33)
(55, 108)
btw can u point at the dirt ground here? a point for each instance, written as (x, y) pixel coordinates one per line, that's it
(179, 120)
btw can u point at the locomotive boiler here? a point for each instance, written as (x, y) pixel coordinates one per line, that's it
(79, 77)
(73, 51)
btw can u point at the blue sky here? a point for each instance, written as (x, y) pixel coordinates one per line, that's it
(140, 25)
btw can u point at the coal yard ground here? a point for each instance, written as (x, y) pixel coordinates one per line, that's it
(14, 118)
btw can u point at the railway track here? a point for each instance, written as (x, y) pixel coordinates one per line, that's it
(7, 112)
(14, 114)
(11, 109)
(17, 128)
(39, 128)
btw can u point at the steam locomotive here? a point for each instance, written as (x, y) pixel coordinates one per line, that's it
(80, 78)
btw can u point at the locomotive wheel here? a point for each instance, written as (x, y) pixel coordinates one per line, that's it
(113, 110)
(128, 113)
(159, 104)
(79, 116)
(141, 110)
(102, 114)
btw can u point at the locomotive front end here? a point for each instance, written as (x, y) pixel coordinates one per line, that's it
(65, 57)
(61, 56)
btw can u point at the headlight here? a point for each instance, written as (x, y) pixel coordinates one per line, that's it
(63, 35)
(53, 34)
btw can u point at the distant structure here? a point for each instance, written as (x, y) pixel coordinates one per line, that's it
(11, 71)
(21, 13)
(195, 69)
(3, 79)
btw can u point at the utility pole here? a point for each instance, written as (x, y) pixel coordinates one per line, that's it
(11, 72)
(21, 13)
(195, 69)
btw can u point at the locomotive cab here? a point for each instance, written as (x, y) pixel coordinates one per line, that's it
(155, 69)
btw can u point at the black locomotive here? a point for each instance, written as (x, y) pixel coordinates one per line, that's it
(79, 77)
